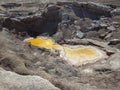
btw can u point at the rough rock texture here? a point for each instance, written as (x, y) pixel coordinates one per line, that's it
(114, 61)
(24, 59)
(67, 23)
(12, 81)
(116, 11)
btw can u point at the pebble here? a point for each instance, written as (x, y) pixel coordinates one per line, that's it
(116, 24)
(77, 27)
(103, 25)
(95, 24)
(108, 35)
(79, 34)
(88, 71)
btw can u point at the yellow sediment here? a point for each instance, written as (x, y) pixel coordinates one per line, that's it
(74, 55)
(81, 53)
(44, 43)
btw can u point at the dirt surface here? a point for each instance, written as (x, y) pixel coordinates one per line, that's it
(67, 23)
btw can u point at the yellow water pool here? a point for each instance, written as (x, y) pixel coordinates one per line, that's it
(42, 42)
(73, 55)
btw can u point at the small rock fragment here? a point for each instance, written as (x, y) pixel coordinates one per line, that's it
(95, 24)
(116, 11)
(77, 27)
(116, 24)
(111, 28)
(103, 25)
(79, 34)
(64, 16)
(108, 35)
(99, 7)
(114, 42)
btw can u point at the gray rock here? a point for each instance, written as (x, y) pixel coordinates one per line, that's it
(108, 35)
(77, 27)
(103, 25)
(112, 28)
(2, 15)
(116, 24)
(79, 34)
(86, 29)
(12, 81)
(103, 18)
(99, 23)
(11, 5)
(52, 7)
(114, 61)
(97, 7)
(114, 42)
(65, 16)
(115, 11)
(95, 24)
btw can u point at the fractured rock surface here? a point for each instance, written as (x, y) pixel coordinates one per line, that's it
(12, 81)
(68, 23)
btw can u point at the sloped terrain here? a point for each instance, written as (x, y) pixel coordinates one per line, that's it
(67, 23)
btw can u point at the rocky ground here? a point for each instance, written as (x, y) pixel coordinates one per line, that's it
(24, 66)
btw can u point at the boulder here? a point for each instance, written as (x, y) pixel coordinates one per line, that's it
(12, 81)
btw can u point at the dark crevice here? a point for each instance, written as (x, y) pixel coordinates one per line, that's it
(11, 5)
(86, 13)
(103, 70)
(47, 23)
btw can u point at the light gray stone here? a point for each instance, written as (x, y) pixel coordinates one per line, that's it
(12, 81)
(79, 34)
(116, 24)
(103, 25)
(116, 11)
(114, 61)
(112, 28)
(95, 23)
(99, 7)
(77, 27)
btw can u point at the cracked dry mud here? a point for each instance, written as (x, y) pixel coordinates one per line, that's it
(68, 23)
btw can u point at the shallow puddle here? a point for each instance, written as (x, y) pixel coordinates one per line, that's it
(74, 55)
